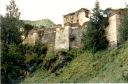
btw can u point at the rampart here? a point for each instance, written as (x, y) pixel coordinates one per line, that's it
(75, 24)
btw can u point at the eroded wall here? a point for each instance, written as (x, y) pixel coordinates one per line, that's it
(31, 38)
(70, 36)
(46, 36)
(111, 31)
(49, 37)
(62, 38)
(75, 37)
(82, 16)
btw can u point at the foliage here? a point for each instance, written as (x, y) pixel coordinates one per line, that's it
(123, 29)
(12, 10)
(39, 48)
(33, 54)
(11, 60)
(10, 30)
(16, 58)
(105, 66)
(27, 28)
(11, 57)
(50, 54)
(95, 38)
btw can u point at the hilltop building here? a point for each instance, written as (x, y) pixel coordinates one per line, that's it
(75, 23)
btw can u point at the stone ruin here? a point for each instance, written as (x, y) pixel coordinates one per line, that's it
(75, 24)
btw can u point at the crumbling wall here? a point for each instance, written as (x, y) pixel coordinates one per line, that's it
(49, 37)
(70, 36)
(83, 17)
(46, 36)
(111, 31)
(62, 38)
(31, 38)
(75, 37)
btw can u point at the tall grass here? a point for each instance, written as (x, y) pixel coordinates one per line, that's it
(104, 66)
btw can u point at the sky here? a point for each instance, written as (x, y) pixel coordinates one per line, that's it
(55, 9)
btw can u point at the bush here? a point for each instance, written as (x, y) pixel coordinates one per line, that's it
(39, 48)
(11, 60)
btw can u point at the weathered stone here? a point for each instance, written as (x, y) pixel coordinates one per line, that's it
(74, 25)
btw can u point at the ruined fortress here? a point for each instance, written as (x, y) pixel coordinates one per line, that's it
(75, 24)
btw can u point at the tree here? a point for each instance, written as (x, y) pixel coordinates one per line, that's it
(9, 31)
(95, 38)
(12, 10)
(27, 28)
(11, 24)
(11, 57)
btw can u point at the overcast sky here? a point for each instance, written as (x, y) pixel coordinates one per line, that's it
(55, 9)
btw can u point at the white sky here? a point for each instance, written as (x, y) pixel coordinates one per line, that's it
(55, 9)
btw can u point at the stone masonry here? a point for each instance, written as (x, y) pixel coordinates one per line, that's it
(69, 36)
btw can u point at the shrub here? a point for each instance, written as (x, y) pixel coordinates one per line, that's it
(39, 48)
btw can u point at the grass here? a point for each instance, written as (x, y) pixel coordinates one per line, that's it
(104, 66)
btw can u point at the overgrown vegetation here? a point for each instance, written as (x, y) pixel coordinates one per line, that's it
(42, 64)
(95, 38)
(17, 59)
(103, 66)
(27, 28)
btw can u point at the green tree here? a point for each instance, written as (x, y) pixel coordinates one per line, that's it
(10, 25)
(9, 31)
(94, 38)
(12, 10)
(27, 28)
(11, 57)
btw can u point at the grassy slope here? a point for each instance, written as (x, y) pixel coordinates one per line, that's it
(104, 66)
(44, 22)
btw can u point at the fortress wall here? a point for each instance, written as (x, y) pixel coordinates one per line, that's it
(70, 36)
(49, 37)
(111, 31)
(44, 35)
(75, 37)
(62, 38)
(31, 37)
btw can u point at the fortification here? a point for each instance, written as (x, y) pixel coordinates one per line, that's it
(75, 24)
(112, 30)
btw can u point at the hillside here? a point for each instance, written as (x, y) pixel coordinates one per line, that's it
(44, 22)
(104, 66)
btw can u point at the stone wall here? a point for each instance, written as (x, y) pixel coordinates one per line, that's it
(62, 38)
(46, 36)
(70, 36)
(112, 30)
(31, 38)
(49, 37)
(75, 37)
